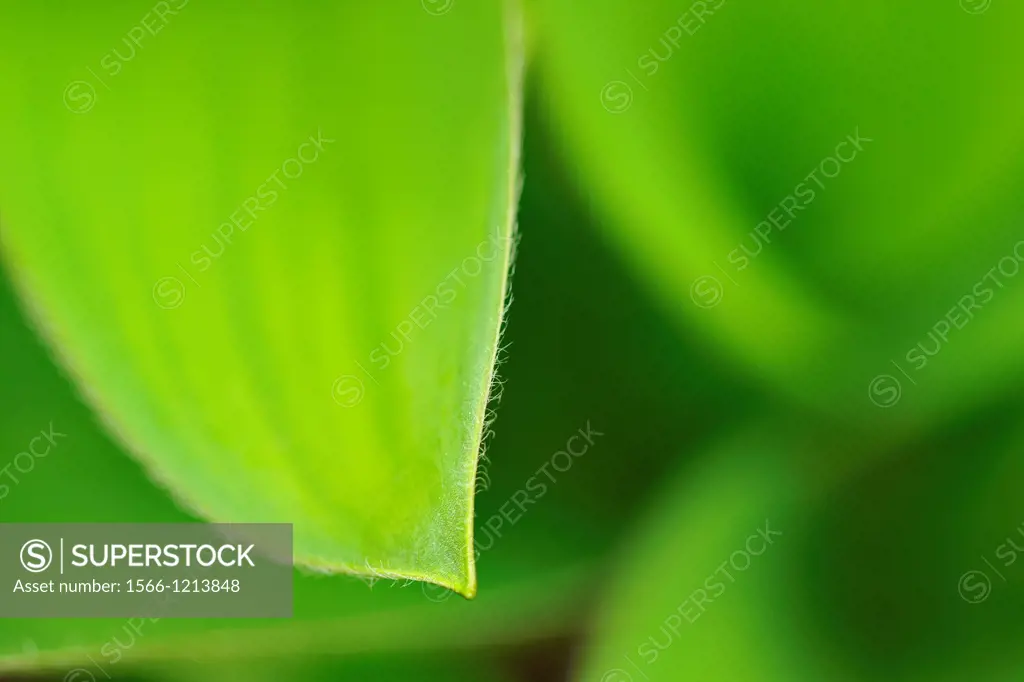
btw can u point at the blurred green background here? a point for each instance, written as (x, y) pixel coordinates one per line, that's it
(779, 490)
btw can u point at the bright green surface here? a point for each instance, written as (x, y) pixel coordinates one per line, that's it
(753, 409)
(325, 360)
(690, 123)
(86, 478)
(533, 579)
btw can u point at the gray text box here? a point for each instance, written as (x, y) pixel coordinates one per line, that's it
(145, 570)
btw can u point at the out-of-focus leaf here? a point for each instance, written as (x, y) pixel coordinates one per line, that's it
(915, 565)
(275, 264)
(752, 569)
(680, 611)
(695, 125)
(405, 668)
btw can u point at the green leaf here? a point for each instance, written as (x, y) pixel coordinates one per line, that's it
(404, 668)
(690, 123)
(914, 566)
(276, 264)
(679, 610)
(537, 582)
(85, 478)
(755, 568)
